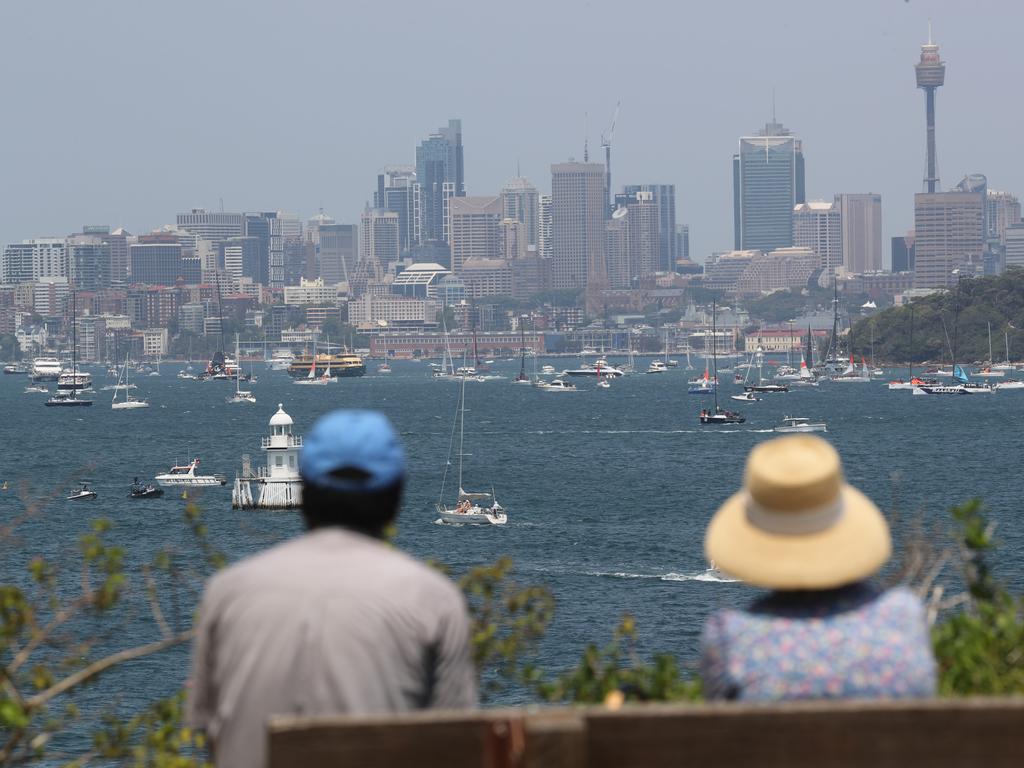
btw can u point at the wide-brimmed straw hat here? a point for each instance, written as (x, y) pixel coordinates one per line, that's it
(796, 524)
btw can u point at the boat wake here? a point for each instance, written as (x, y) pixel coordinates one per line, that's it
(707, 575)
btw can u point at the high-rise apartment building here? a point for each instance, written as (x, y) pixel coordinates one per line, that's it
(544, 245)
(34, 259)
(118, 243)
(578, 205)
(243, 257)
(663, 197)
(439, 174)
(768, 182)
(817, 225)
(520, 201)
(397, 191)
(616, 249)
(949, 230)
(475, 226)
(861, 216)
(88, 262)
(1002, 209)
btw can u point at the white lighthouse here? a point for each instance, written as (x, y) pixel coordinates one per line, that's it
(278, 482)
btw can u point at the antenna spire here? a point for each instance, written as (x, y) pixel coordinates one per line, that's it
(773, 104)
(930, 32)
(586, 138)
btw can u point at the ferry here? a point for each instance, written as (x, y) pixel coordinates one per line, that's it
(341, 365)
(79, 380)
(185, 475)
(46, 369)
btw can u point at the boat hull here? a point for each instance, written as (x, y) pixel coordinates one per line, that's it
(475, 516)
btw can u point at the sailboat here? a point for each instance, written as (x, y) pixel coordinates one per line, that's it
(241, 395)
(384, 367)
(1006, 365)
(522, 378)
(469, 507)
(762, 386)
(961, 384)
(989, 370)
(719, 415)
(130, 402)
(311, 377)
(69, 397)
(875, 370)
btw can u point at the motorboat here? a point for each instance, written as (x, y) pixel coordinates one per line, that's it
(787, 373)
(989, 372)
(17, 368)
(560, 385)
(1010, 384)
(800, 424)
(657, 366)
(766, 388)
(914, 382)
(46, 369)
(746, 397)
(603, 384)
(35, 388)
(591, 369)
(80, 380)
(185, 475)
(548, 370)
(281, 359)
(187, 374)
(85, 492)
(144, 490)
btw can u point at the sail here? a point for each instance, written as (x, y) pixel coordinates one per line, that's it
(805, 373)
(850, 371)
(960, 375)
(864, 368)
(463, 494)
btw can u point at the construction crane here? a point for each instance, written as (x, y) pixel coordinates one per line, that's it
(606, 142)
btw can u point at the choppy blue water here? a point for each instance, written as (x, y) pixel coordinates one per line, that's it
(608, 491)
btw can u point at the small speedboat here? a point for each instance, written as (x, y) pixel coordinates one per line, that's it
(746, 397)
(548, 370)
(560, 385)
(657, 366)
(144, 491)
(603, 384)
(767, 388)
(85, 492)
(36, 388)
(800, 424)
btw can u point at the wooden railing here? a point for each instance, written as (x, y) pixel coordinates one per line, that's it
(967, 733)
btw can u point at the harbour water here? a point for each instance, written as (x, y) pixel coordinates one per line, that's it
(608, 491)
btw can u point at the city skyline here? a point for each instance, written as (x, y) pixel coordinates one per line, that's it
(135, 172)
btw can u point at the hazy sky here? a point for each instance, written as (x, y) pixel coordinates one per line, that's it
(129, 112)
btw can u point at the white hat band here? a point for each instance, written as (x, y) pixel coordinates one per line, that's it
(786, 522)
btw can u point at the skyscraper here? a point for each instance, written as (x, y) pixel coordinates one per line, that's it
(439, 173)
(931, 73)
(1002, 209)
(475, 227)
(397, 191)
(378, 246)
(768, 181)
(818, 225)
(578, 206)
(519, 200)
(544, 248)
(861, 216)
(949, 230)
(336, 251)
(663, 196)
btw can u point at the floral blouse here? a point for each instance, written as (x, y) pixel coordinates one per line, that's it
(852, 642)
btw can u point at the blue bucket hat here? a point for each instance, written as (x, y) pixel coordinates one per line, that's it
(363, 441)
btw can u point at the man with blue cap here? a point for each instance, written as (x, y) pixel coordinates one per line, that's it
(336, 620)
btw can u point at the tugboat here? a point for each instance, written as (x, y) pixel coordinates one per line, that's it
(144, 491)
(85, 492)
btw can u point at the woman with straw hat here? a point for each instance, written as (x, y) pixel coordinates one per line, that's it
(796, 528)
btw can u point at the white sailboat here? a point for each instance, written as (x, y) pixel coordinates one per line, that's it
(470, 507)
(311, 377)
(130, 402)
(241, 395)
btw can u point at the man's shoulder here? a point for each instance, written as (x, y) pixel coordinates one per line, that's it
(322, 550)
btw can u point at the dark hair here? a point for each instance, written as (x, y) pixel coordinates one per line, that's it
(368, 512)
